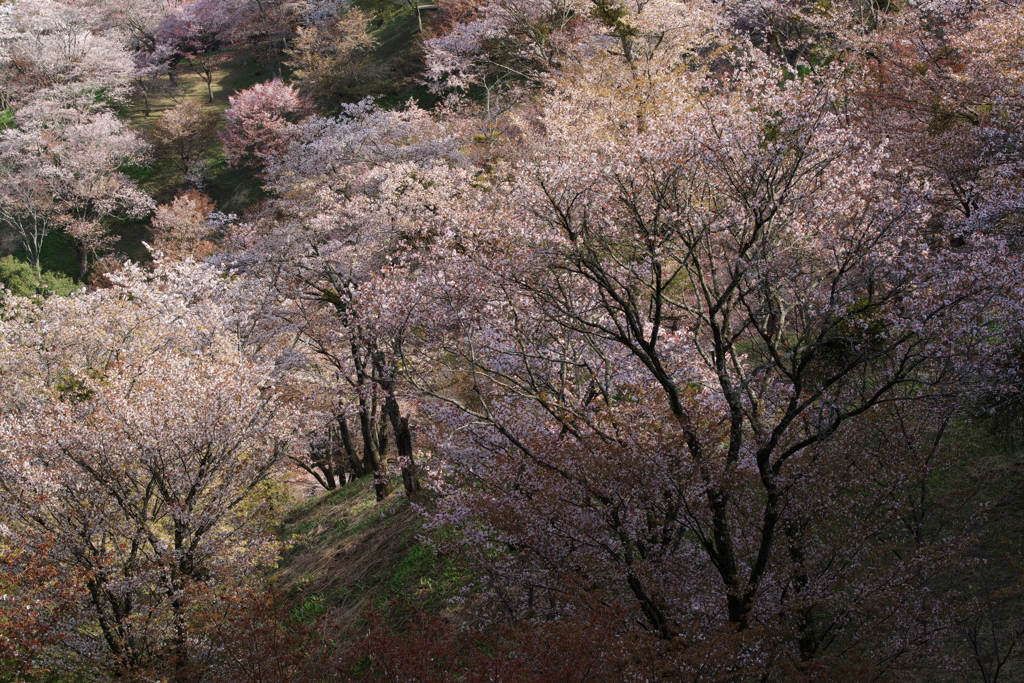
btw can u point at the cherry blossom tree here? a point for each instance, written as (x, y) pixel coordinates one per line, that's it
(45, 43)
(181, 229)
(936, 91)
(507, 46)
(138, 431)
(137, 23)
(196, 31)
(150, 68)
(509, 41)
(347, 197)
(672, 354)
(257, 121)
(316, 12)
(28, 202)
(136, 20)
(266, 26)
(326, 57)
(183, 137)
(60, 172)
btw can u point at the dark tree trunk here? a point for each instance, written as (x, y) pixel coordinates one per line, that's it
(82, 254)
(374, 445)
(354, 461)
(399, 424)
(403, 442)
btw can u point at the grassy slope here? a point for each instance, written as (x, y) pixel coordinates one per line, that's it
(349, 554)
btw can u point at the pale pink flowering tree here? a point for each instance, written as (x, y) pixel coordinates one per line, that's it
(184, 137)
(257, 122)
(28, 203)
(60, 171)
(994, 69)
(182, 228)
(268, 24)
(947, 98)
(504, 45)
(196, 31)
(139, 426)
(507, 44)
(45, 43)
(137, 23)
(151, 67)
(349, 190)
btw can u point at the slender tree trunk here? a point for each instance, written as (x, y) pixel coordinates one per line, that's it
(334, 460)
(355, 462)
(399, 424)
(275, 62)
(34, 245)
(276, 55)
(373, 453)
(403, 442)
(381, 483)
(180, 642)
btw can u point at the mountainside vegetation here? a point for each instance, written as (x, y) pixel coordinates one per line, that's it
(516, 341)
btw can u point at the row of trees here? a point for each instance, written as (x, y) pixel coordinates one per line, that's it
(689, 307)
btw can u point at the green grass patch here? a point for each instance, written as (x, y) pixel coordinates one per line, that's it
(237, 70)
(352, 554)
(423, 578)
(309, 610)
(420, 94)
(234, 189)
(399, 51)
(131, 233)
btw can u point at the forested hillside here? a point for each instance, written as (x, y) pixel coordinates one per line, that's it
(511, 341)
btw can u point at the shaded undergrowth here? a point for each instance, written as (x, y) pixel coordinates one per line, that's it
(348, 554)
